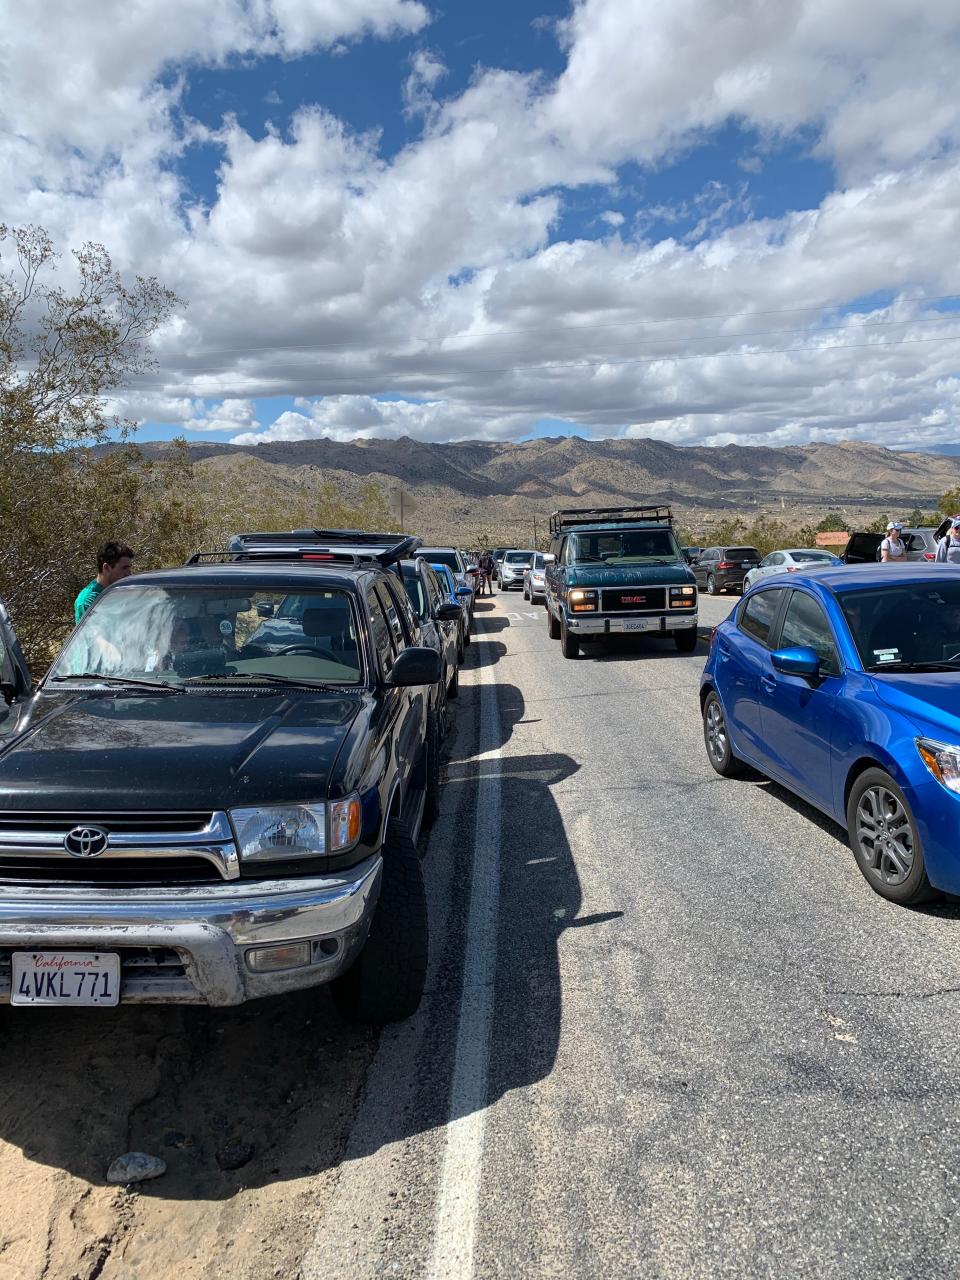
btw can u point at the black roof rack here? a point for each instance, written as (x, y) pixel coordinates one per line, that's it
(336, 547)
(571, 517)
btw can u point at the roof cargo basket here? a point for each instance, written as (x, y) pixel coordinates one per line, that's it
(331, 546)
(572, 517)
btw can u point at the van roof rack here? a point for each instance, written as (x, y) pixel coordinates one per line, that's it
(336, 547)
(571, 517)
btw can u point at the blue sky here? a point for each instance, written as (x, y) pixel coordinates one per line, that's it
(700, 222)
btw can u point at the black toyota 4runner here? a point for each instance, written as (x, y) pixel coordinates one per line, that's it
(618, 570)
(198, 806)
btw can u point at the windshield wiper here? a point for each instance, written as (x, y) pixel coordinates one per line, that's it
(136, 681)
(944, 665)
(289, 681)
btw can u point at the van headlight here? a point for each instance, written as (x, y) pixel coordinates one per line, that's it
(281, 833)
(942, 760)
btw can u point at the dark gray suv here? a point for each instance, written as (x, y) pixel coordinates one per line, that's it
(720, 568)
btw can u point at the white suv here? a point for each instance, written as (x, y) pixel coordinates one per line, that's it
(511, 567)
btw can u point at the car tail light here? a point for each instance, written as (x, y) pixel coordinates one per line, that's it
(929, 555)
(726, 564)
(792, 568)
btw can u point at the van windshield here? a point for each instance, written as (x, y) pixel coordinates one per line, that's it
(629, 546)
(170, 635)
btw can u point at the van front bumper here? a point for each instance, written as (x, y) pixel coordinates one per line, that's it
(193, 944)
(599, 625)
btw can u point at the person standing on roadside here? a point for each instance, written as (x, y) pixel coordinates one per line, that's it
(893, 548)
(114, 561)
(486, 572)
(948, 548)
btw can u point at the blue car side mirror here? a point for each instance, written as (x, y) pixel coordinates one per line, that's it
(796, 661)
(464, 592)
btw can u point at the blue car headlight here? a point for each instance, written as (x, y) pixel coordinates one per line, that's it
(942, 760)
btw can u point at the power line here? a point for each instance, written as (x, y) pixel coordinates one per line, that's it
(577, 328)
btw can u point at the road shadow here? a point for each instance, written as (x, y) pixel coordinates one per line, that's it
(639, 648)
(279, 1080)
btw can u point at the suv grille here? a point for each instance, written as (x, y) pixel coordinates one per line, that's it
(111, 873)
(119, 823)
(634, 600)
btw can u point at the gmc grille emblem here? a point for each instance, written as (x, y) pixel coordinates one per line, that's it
(85, 842)
(633, 599)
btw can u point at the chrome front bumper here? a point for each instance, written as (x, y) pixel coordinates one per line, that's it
(658, 625)
(210, 929)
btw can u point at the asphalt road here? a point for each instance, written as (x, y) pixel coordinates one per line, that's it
(669, 1031)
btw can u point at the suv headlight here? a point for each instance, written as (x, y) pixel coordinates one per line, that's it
(942, 760)
(583, 600)
(281, 833)
(683, 597)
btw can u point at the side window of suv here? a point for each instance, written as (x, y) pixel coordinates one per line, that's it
(806, 624)
(391, 608)
(758, 612)
(382, 635)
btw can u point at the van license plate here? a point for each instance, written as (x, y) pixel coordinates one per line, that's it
(641, 624)
(65, 977)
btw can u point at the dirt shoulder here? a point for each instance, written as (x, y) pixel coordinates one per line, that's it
(195, 1087)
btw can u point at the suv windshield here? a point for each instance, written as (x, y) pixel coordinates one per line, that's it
(173, 634)
(518, 557)
(629, 546)
(905, 625)
(450, 558)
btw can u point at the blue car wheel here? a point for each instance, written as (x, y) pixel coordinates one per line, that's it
(716, 739)
(885, 841)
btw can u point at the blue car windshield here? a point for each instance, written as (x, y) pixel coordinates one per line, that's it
(905, 624)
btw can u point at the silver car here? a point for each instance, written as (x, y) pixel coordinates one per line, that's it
(794, 560)
(533, 577)
(511, 568)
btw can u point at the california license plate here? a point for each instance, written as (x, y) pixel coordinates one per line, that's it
(65, 977)
(641, 624)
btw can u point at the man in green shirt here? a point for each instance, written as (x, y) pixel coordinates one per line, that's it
(114, 561)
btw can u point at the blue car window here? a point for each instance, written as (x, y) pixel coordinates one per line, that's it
(805, 623)
(757, 613)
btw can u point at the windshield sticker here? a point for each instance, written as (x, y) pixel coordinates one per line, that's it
(886, 655)
(226, 628)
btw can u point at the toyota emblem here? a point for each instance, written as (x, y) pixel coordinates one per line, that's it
(85, 842)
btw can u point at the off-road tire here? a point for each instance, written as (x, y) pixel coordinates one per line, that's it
(686, 640)
(569, 644)
(386, 981)
(553, 626)
(431, 802)
(716, 739)
(916, 887)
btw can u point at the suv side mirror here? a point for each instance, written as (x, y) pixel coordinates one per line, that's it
(797, 661)
(449, 612)
(415, 666)
(264, 609)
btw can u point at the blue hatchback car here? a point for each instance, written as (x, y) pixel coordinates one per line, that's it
(843, 685)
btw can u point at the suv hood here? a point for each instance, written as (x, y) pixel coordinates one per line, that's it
(193, 750)
(930, 699)
(651, 575)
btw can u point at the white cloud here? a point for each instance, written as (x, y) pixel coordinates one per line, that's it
(325, 271)
(229, 415)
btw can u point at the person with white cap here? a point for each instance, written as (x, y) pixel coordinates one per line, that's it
(893, 546)
(948, 548)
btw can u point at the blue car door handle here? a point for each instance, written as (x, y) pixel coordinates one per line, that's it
(768, 684)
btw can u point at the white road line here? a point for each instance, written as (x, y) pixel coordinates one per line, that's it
(459, 1195)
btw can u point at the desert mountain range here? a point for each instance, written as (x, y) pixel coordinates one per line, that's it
(460, 490)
